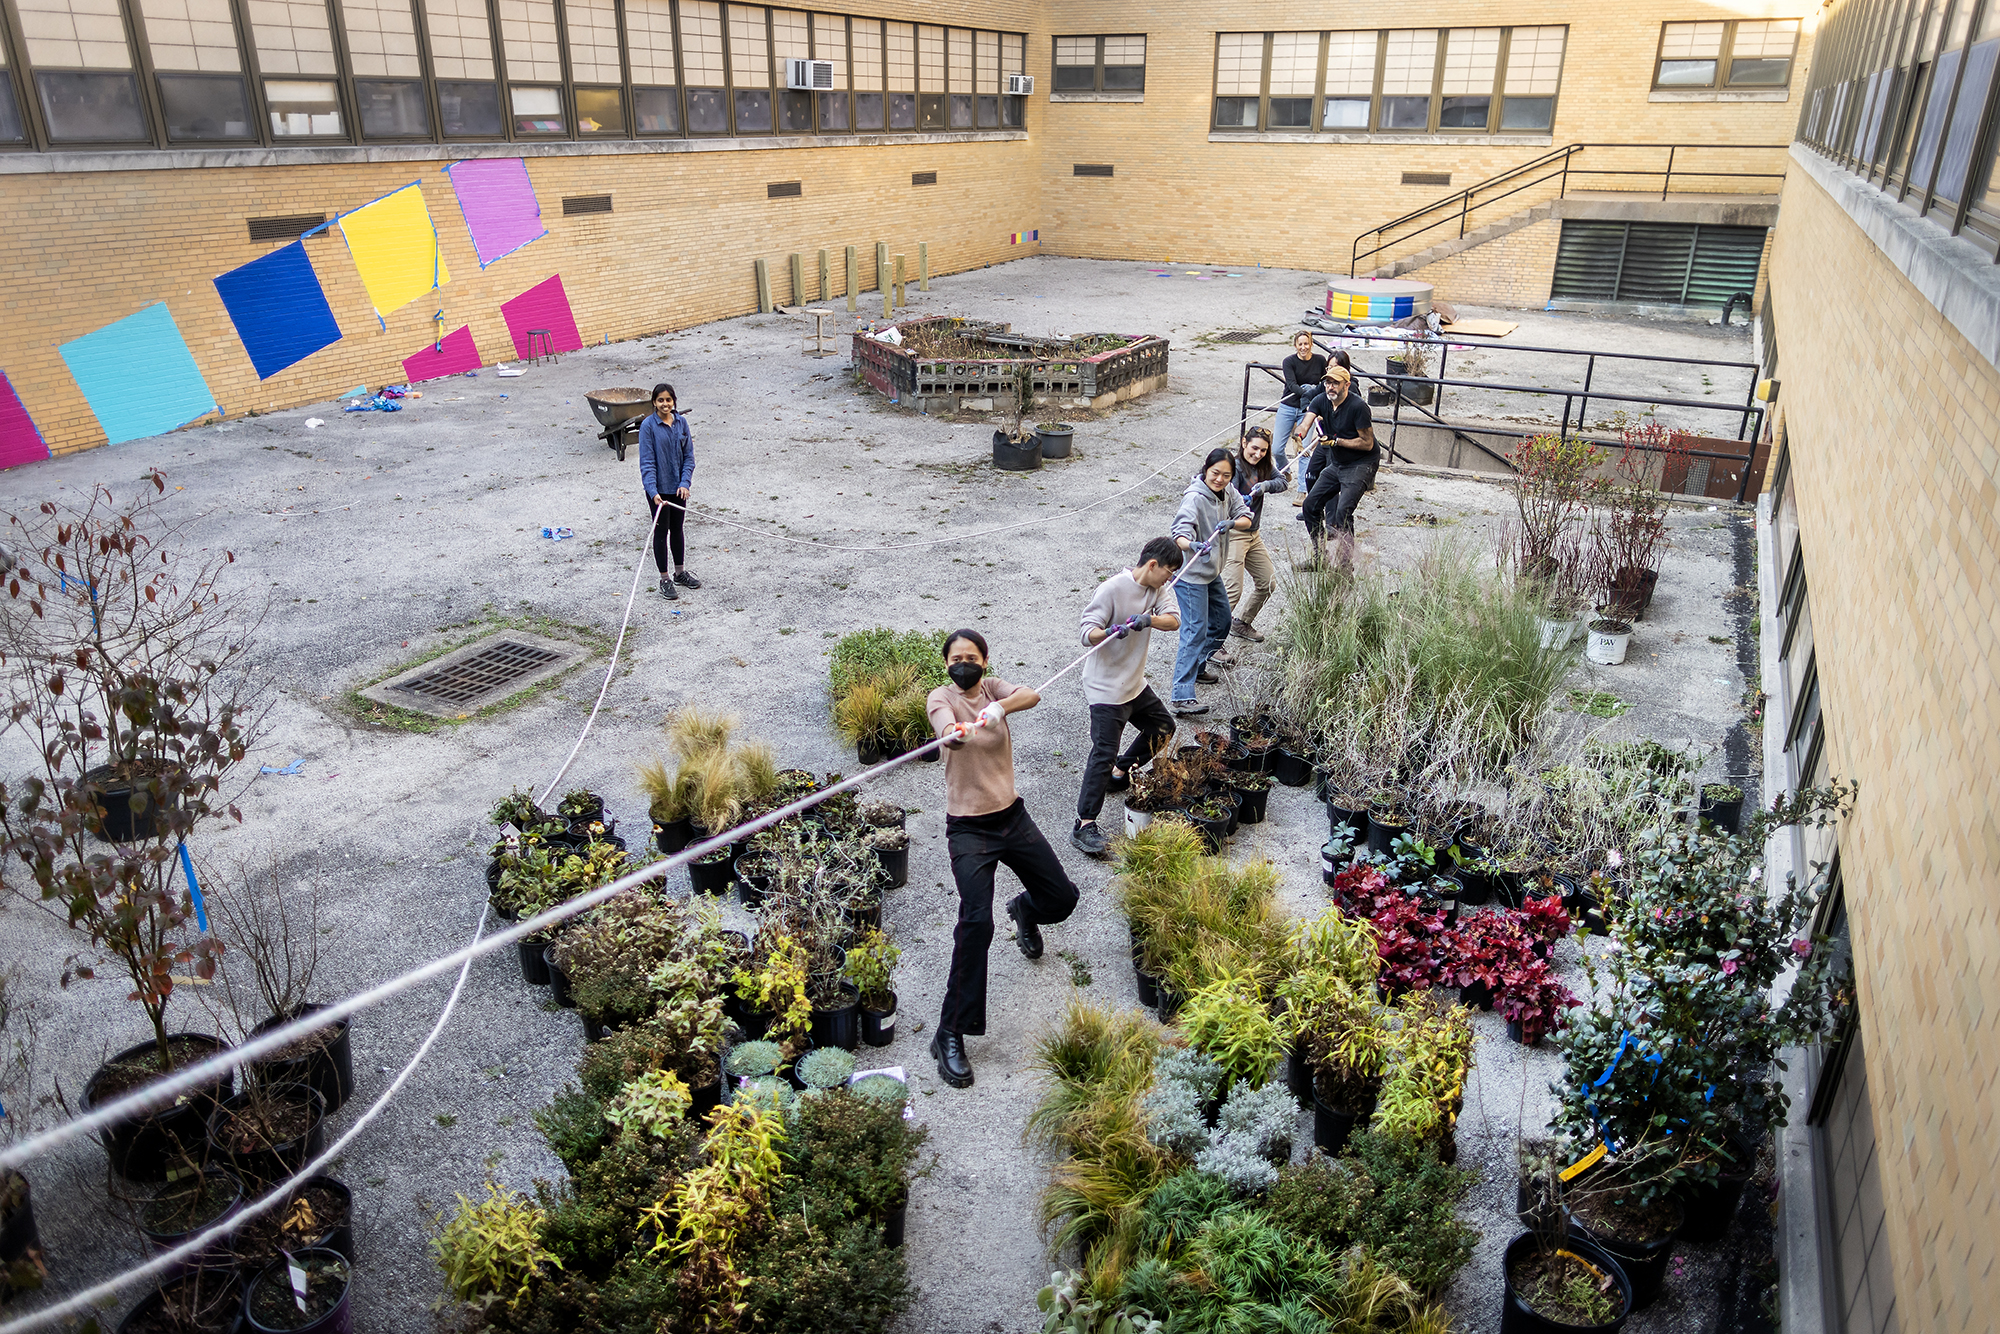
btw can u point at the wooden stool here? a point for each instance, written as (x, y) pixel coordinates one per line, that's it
(545, 339)
(819, 339)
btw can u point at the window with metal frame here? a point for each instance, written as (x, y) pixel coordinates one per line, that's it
(749, 69)
(1013, 55)
(833, 110)
(1112, 64)
(1453, 81)
(1738, 54)
(649, 50)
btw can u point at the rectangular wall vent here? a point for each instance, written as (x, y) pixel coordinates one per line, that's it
(784, 190)
(288, 228)
(576, 204)
(923, 178)
(1427, 178)
(1091, 169)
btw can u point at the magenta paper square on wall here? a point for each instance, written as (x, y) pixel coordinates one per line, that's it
(20, 442)
(454, 356)
(543, 306)
(499, 205)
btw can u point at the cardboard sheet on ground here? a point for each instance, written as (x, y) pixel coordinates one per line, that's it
(543, 306)
(138, 375)
(499, 205)
(395, 248)
(1480, 328)
(20, 442)
(456, 355)
(279, 310)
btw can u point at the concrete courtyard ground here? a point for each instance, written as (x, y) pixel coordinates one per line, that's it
(377, 539)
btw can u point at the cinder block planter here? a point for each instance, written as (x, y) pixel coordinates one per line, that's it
(949, 364)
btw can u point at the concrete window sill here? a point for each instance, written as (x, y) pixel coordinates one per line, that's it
(182, 158)
(1425, 140)
(1097, 97)
(1718, 95)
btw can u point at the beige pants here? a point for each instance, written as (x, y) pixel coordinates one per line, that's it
(1247, 551)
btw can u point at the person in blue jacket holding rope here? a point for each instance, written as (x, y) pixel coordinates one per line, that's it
(666, 467)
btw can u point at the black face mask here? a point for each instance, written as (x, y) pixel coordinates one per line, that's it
(965, 675)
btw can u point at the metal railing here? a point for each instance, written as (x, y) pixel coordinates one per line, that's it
(1556, 165)
(1749, 413)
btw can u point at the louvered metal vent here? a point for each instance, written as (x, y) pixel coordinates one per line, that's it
(576, 204)
(1427, 178)
(923, 178)
(784, 190)
(287, 228)
(1091, 169)
(1659, 263)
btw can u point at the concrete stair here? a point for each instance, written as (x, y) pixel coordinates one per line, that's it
(1491, 231)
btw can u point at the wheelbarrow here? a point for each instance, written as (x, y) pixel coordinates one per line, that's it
(619, 412)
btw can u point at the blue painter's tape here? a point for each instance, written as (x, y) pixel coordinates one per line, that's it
(138, 375)
(194, 889)
(279, 309)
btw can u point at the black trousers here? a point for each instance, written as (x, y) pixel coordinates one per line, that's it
(1107, 727)
(977, 844)
(1339, 486)
(667, 535)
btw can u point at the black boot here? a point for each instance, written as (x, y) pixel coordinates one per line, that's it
(953, 1068)
(1026, 934)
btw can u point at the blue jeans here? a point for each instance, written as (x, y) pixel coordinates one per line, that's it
(1204, 629)
(1281, 435)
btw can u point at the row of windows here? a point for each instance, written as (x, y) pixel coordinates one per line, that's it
(1408, 79)
(1903, 93)
(278, 71)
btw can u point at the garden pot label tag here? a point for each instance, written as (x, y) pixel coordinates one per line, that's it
(298, 1281)
(1584, 1163)
(510, 836)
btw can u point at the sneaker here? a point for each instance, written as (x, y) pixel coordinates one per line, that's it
(1189, 708)
(667, 589)
(1205, 676)
(686, 580)
(1242, 629)
(1089, 840)
(1222, 658)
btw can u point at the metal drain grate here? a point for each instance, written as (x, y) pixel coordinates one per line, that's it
(479, 674)
(1238, 336)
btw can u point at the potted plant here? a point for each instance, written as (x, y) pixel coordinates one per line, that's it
(1560, 1286)
(772, 988)
(1631, 531)
(1544, 919)
(205, 1301)
(1228, 1021)
(1211, 813)
(1415, 364)
(1531, 999)
(871, 961)
(892, 847)
(1055, 438)
(1635, 1225)
(1018, 449)
(1722, 805)
(1254, 789)
(1386, 822)
(1609, 637)
(1483, 952)
(268, 1132)
(318, 1213)
(825, 1068)
(21, 1013)
(193, 1204)
(712, 872)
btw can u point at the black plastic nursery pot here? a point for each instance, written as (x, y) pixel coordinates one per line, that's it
(711, 877)
(145, 1146)
(839, 1025)
(862, 916)
(1644, 1262)
(224, 1196)
(1250, 809)
(896, 864)
(322, 1062)
(1722, 814)
(1010, 457)
(1353, 819)
(210, 1300)
(1527, 1037)
(596, 1029)
(325, 1224)
(1299, 1076)
(1213, 830)
(893, 1220)
(878, 1027)
(1332, 1126)
(1383, 831)
(130, 815)
(1289, 767)
(1517, 1317)
(671, 837)
(708, 1096)
(534, 961)
(1711, 1207)
(1167, 1000)
(270, 1308)
(1476, 995)
(1055, 439)
(558, 979)
(19, 1237)
(256, 1162)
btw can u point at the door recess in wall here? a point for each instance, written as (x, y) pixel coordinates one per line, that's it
(1658, 263)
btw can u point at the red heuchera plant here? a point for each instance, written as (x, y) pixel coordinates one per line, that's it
(1364, 889)
(1408, 939)
(1532, 997)
(1487, 948)
(1545, 918)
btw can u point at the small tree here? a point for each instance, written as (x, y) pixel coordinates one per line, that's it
(1554, 482)
(128, 671)
(1630, 533)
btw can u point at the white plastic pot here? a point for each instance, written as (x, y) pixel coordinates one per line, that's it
(1135, 821)
(1556, 634)
(1608, 641)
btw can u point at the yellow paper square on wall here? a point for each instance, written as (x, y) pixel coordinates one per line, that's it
(395, 247)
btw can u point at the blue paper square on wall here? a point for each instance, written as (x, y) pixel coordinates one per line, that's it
(138, 375)
(279, 309)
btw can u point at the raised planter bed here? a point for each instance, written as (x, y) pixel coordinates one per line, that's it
(1090, 370)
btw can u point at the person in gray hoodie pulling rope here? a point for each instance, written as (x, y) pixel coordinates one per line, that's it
(1211, 503)
(1127, 608)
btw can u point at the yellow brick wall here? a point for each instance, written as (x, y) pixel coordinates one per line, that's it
(1899, 512)
(1512, 270)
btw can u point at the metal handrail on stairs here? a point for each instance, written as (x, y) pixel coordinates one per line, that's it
(1559, 167)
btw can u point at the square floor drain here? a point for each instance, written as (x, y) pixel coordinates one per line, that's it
(1238, 336)
(482, 673)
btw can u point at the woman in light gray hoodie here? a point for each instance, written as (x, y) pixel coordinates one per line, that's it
(1211, 502)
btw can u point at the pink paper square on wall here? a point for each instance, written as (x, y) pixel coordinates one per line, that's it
(20, 442)
(543, 306)
(454, 356)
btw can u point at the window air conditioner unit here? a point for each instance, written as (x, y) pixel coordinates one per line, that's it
(809, 75)
(1020, 85)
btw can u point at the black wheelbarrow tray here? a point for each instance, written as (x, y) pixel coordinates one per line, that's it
(619, 412)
